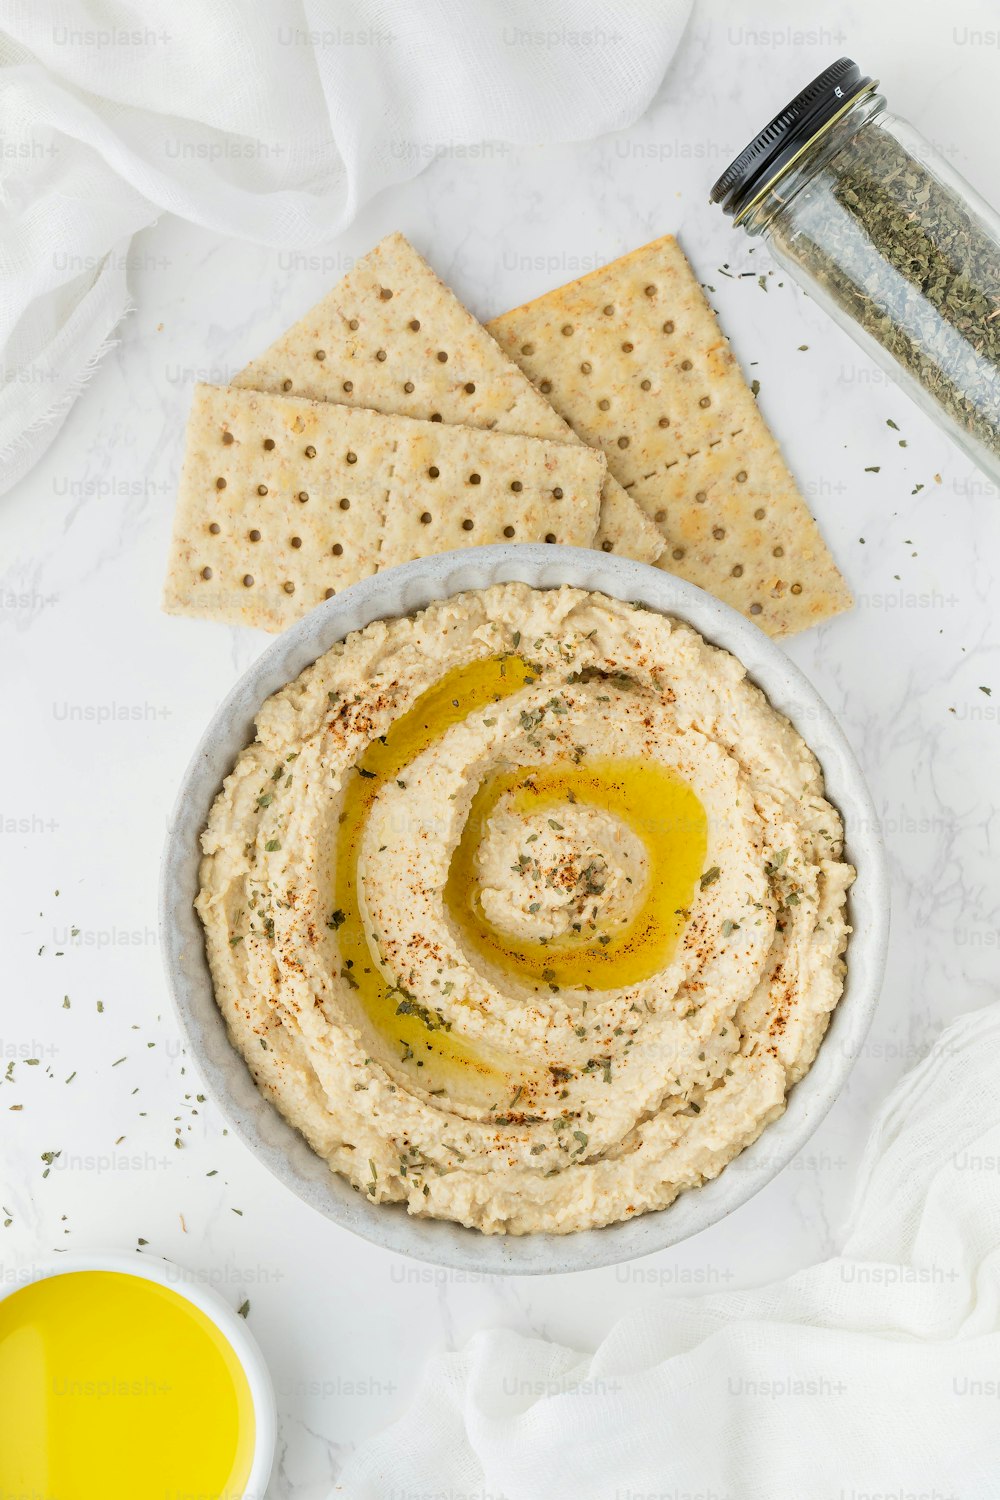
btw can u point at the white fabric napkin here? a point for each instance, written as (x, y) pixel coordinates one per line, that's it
(272, 120)
(874, 1376)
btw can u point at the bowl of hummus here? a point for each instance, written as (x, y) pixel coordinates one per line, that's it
(524, 908)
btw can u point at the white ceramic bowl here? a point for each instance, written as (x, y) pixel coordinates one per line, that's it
(282, 1150)
(232, 1327)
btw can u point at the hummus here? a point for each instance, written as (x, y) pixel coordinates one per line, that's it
(526, 910)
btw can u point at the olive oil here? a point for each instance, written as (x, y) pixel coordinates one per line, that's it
(659, 808)
(113, 1387)
(656, 805)
(416, 1038)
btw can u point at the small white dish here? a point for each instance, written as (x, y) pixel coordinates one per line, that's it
(232, 1327)
(279, 1147)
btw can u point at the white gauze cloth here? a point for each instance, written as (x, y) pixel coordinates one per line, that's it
(271, 120)
(874, 1376)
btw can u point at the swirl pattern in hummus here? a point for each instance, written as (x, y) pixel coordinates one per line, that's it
(527, 910)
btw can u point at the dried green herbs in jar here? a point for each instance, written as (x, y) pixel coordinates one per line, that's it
(891, 241)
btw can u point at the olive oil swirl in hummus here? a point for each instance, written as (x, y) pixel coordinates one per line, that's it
(661, 811)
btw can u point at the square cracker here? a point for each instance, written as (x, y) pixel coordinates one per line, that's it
(461, 486)
(283, 502)
(632, 356)
(391, 336)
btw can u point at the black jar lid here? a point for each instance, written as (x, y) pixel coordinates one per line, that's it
(787, 133)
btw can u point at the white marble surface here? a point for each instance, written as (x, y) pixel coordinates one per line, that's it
(105, 697)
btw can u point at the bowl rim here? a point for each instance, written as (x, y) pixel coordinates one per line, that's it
(402, 590)
(185, 1283)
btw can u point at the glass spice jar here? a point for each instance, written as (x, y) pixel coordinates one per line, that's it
(865, 215)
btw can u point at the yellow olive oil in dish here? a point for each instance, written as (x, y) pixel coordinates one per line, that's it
(113, 1387)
